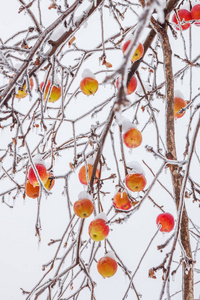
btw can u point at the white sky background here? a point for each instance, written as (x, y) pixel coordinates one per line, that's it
(21, 257)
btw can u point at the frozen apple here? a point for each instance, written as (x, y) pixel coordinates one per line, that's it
(50, 182)
(82, 174)
(42, 171)
(121, 201)
(83, 208)
(55, 91)
(132, 138)
(166, 220)
(98, 230)
(107, 266)
(131, 86)
(138, 52)
(178, 104)
(32, 191)
(184, 16)
(135, 182)
(195, 14)
(22, 93)
(89, 86)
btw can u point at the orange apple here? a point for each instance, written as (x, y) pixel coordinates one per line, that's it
(82, 174)
(131, 86)
(55, 91)
(50, 182)
(32, 191)
(107, 266)
(22, 92)
(83, 208)
(98, 230)
(184, 16)
(178, 104)
(195, 14)
(135, 182)
(138, 52)
(121, 201)
(89, 86)
(166, 220)
(132, 138)
(42, 171)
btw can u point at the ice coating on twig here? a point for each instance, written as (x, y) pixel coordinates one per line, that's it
(58, 32)
(84, 195)
(88, 73)
(102, 216)
(135, 168)
(159, 5)
(177, 93)
(147, 86)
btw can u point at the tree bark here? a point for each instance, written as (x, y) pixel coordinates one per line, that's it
(188, 293)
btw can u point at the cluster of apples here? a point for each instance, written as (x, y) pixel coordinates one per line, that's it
(54, 95)
(185, 16)
(89, 85)
(98, 228)
(136, 56)
(32, 185)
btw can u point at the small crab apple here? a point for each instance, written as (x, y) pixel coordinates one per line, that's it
(22, 93)
(32, 191)
(42, 171)
(184, 16)
(121, 201)
(50, 182)
(131, 86)
(83, 207)
(107, 265)
(55, 91)
(98, 229)
(178, 104)
(132, 138)
(88, 85)
(135, 180)
(166, 220)
(138, 52)
(195, 14)
(82, 174)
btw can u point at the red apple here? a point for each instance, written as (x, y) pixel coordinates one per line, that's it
(107, 266)
(55, 91)
(98, 230)
(178, 104)
(195, 14)
(166, 221)
(131, 86)
(82, 174)
(135, 182)
(184, 15)
(138, 52)
(89, 86)
(132, 138)
(42, 171)
(32, 191)
(121, 201)
(83, 208)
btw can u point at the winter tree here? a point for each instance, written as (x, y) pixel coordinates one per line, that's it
(99, 152)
